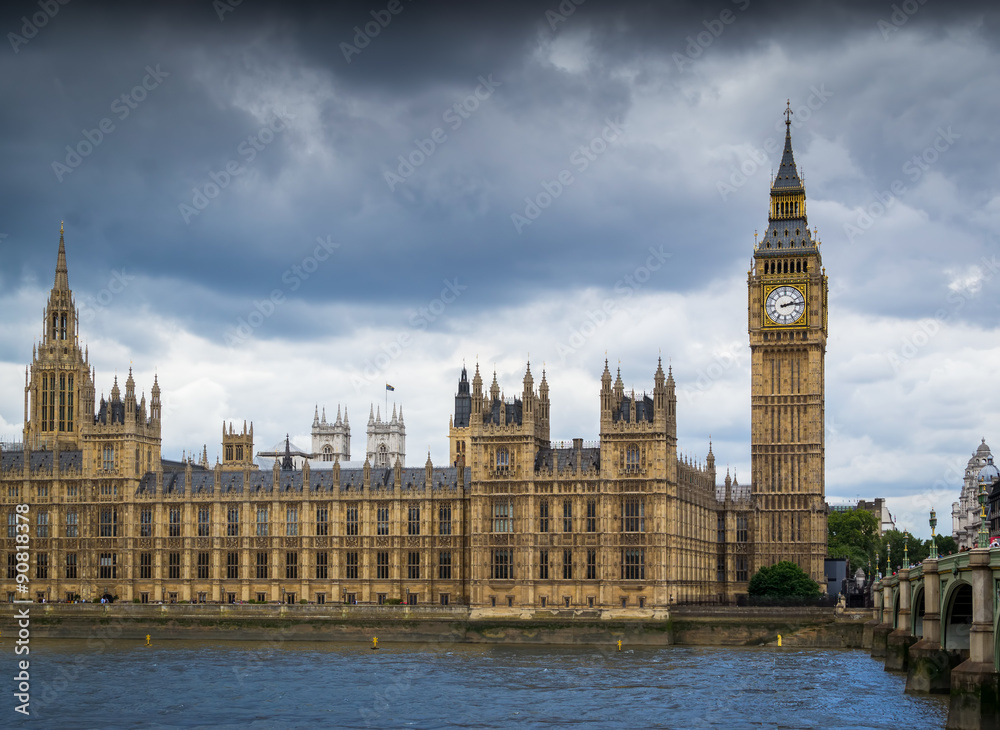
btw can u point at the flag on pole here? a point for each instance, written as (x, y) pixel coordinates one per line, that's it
(389, 387)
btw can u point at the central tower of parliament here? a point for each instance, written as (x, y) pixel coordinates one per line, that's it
(514, 521)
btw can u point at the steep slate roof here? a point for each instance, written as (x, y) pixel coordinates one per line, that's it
(643, 409)
(788, 174)
(561, 459)
(41, 460)
(70, 460)
(12, 460)
(291, 480)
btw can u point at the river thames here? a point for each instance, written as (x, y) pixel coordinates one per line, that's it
(282, 684)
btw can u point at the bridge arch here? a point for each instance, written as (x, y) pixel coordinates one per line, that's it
(957, 617)
(895, 607)
(917, 610)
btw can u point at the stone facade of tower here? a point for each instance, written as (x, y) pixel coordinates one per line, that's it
(787, 290)
(78, 468)
(237, 448)
(331, 441)
(386, 439)
(458, 426)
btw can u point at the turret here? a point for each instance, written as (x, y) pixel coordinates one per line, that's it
(606, 395)
(477, 394)
(154, 405)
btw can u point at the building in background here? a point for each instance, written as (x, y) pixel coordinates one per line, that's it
(965, 513)
(876, 507)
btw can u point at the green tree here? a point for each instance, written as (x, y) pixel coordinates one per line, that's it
(853, 534)
(946, 545)
(781, 580)
(917, 550)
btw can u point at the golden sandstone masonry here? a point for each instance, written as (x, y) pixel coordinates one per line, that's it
(514, 522)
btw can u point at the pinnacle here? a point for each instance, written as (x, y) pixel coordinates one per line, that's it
(62, 274)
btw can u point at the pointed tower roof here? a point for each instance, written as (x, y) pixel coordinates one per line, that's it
(787, 223)
(787, 178)
(62, 273)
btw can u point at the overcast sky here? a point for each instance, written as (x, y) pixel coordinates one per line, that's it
(274, 208)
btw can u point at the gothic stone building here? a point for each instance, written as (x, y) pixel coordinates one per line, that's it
(514, 521)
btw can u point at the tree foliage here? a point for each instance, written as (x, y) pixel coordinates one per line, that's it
(854, 535)
(782, 579)
(946, 545)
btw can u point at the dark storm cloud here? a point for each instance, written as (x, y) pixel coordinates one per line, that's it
(227, 70)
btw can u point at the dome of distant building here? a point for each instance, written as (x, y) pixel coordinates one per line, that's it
(989, 473)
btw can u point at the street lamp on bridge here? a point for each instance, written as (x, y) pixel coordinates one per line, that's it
(933, 521)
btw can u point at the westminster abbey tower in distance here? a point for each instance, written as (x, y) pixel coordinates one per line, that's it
(626, 524)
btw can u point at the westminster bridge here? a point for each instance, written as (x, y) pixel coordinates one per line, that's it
(938, 622)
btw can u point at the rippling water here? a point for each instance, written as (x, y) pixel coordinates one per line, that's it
(196, 684)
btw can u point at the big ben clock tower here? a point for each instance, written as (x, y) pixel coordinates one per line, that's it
(787, 294)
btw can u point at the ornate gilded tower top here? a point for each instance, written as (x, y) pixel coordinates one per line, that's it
(787, 230)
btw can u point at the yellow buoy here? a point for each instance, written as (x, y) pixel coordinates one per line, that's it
(374, 642)
(147, 640)
(619, 645)
(779, 639)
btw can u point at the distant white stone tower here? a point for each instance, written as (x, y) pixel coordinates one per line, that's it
(332, 441)
(386, 439)
(965, 512)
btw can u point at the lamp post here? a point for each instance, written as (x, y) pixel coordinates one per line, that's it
(888, 560)
(933, 521)
(984, 534)
(906, 550)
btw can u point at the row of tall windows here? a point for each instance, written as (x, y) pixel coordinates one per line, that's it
(109, 521)
(57, 392)
(633, 564)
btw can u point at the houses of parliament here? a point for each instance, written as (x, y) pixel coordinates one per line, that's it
(513, 522)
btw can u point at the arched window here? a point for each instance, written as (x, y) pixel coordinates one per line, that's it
(327, 453)
(108, 458)
(632, 458)
(503, 458)
(382, 458)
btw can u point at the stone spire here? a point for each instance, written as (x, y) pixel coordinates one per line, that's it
(787, 178)
(62, 273)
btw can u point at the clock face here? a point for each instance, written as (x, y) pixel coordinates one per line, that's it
(785, 304)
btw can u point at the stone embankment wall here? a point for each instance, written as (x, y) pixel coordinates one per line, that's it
(442, 624)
